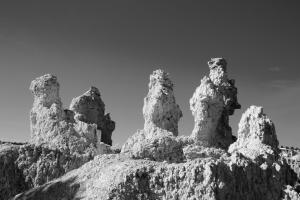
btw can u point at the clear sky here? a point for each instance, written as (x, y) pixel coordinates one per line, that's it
(115, 45)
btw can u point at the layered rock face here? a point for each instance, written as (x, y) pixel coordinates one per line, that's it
(89, 108)
(212, 103)
(161, 113)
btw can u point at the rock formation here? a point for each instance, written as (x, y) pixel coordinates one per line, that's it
(61, 139)
(212, 103)
(154, 163)
(213, 175)
(160, 109)
(47, 110)
(256, 135)
(78, 128)
(12, 180)
(161, 113)
(89, 108)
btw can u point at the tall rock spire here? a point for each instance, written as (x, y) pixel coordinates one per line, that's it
(157, 140)
(160, 108)
(256, 135)
(47, 108)
(212, 103)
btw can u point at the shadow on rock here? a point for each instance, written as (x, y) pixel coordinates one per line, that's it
(56, 190)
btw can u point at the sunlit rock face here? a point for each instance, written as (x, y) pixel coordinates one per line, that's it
(89, 108)
(154, 163)
(47, 111)
(256, 135)
(212, 103)
(61, 139)
(50, 124)
(160, 108)
(84, 124)
(157, 140)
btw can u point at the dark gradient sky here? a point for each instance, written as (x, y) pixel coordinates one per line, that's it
(115, 45)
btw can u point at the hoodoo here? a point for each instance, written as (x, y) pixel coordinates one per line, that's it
(212, 103)
(154, 163)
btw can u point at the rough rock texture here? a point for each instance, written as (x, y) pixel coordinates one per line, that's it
(256, 135)
(212, 103)
(12, 181)
(41, 164)
(47, 110)
(89, 108)
(83, 125)
(203, 173)
(61, 139)
(119, 177)
(160, 108)
(154, 162)
(157, 140)
(161, 145)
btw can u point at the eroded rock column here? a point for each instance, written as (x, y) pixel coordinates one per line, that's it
(47, 109)
(160, 108)
(157, 140)
(212, 103)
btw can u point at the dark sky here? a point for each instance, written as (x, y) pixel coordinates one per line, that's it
(115, 46)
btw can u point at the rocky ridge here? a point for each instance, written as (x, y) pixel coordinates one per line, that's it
(156, 163)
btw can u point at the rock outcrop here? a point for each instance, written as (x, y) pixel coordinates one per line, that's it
(79, 128)
(47, 111)
(12, 180)
(120, 177)
(61, 139)
(89, 108)
(155, 163)
(160, 108)
(157, 140)
(256, 135)
(212, 103)
(209, 173)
